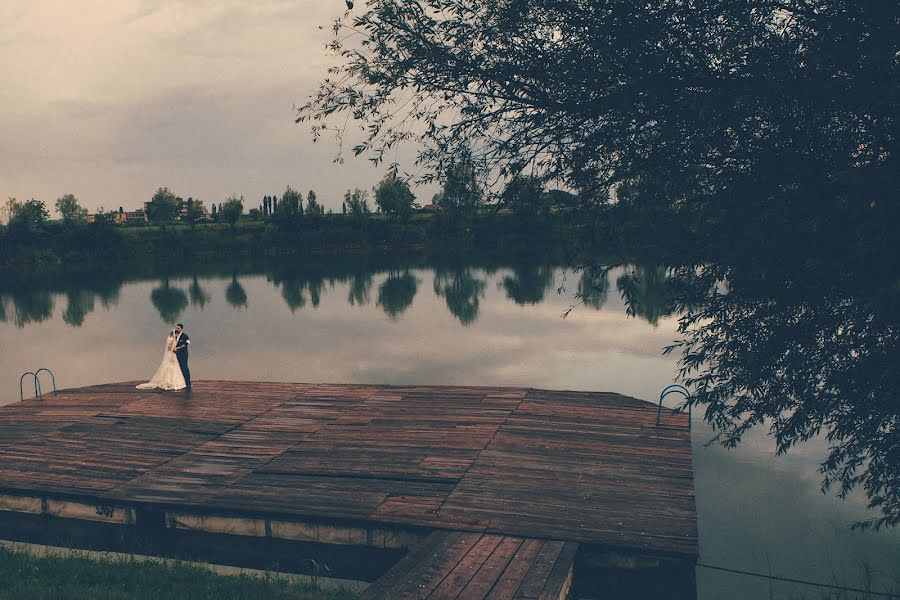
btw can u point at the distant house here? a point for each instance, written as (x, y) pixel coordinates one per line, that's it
(430, 208)
(135, 216)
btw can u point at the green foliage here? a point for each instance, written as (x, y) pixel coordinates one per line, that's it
(291, 203)
(357, 204)
(72, 212)
(103, 219)
(27, 577)
(288, 211)
(31, 214)
(231, 210)
(776, 111)
(195, 212)
(313, 208)
(393, 196)
(524, 194)
(164, 207)
(461, 193)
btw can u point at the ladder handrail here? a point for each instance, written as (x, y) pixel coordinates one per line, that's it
(37, 386)
(52, 377)
(675, 389)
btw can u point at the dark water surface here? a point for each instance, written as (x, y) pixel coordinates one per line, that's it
(406, 322)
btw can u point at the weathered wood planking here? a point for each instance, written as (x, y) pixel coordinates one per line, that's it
(475, 566)
(573, 466)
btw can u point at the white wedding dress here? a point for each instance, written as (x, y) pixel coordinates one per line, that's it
(168, 376)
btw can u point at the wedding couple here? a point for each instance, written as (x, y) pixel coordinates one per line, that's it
(173, 373)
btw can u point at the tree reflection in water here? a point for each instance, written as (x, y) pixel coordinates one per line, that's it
(647, 292)
(169, 301)
(593, 287)
(528, 283)
(803, 350)
(396, 294)
(199, 296)
(26, 306)
(80, 304)
(462, 291)
(803, 354)
(235, 294)
(360, 289)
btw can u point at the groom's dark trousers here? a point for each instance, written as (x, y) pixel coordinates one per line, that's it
(182, 356)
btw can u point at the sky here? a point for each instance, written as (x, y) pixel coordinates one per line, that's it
(111, 100)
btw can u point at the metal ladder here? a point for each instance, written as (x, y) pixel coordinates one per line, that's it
(37, 383)
(675, 389)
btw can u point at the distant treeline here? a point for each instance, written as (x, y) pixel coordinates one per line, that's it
(525, 214)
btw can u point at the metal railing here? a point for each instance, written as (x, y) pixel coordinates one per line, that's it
(675, 389)
(37, 383)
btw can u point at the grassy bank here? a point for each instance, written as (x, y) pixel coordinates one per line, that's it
(57, 243)
(28, 577)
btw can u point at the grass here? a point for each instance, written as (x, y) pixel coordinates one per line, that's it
(24, 576)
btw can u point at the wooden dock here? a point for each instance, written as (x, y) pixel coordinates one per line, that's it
(519, 475)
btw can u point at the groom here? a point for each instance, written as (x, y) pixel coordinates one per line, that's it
(181, 353)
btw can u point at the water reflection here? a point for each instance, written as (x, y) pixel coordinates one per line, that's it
(169, 301)
(648, 292)
(199, 296)
(528, 283)
(800, 351)
(29, 306)
(593, 287)
(235, 294)
(360, 289)
(80, 303)
(396, 294)
(462, 290)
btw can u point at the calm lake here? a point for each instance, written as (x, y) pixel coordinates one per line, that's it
(411, 322)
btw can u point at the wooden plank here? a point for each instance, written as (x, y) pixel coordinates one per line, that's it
(587, 467)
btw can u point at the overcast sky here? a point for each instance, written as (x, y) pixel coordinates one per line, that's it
(111, 100)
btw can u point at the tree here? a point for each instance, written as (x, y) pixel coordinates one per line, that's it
(735, 106)
(313, 208)
(291, 203)
(6, 211)
(460, 194)
(195, 212)
(72, 212)
(164, 207)
(103, 219)
(231, 210)
(524, 194)
(289, 210)
(357, 203)
(215, 212)
(393, 196)
(31, 214)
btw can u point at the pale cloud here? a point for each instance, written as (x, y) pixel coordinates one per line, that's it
(110, 100)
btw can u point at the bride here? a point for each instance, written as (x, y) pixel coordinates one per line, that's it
(168, 376)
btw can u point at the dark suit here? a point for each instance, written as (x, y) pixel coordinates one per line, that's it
(182, 355)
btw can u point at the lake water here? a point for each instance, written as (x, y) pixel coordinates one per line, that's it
(413, 323)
